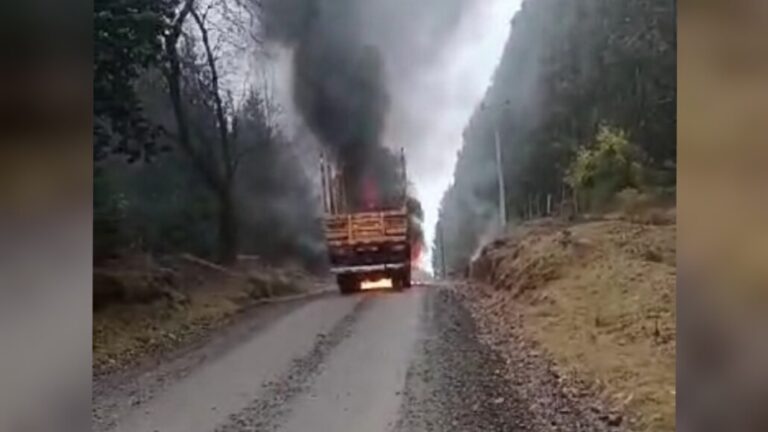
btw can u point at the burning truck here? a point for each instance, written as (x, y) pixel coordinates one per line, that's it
(368, 231)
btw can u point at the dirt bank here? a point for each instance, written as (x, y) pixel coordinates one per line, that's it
(146, 308)
(598, 298)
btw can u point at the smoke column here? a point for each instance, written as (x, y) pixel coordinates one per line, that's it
(339, 89)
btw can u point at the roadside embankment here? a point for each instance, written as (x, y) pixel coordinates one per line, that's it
(596, 297)
(145, 308)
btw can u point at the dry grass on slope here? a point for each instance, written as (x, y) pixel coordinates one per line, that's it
(599, 297)
(144, 310)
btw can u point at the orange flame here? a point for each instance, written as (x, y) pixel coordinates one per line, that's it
(370, 193)
(376, 284)
(415, 251)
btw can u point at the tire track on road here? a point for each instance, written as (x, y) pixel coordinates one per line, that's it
(266, 412)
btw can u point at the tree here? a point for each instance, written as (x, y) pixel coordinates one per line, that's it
(228, 173)
(600, 171)
(568, 67)
(214, 158)
(127, 41)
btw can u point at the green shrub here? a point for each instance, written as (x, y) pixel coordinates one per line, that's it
(601, 170)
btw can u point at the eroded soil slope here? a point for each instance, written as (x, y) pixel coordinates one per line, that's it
(596, 297)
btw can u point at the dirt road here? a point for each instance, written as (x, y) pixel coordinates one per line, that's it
(377, 361)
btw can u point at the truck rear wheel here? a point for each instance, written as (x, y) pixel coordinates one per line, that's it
(401, 280)
(397, 281)
(348, 284)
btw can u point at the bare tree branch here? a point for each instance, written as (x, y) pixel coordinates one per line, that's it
(173, 77)
(233, 17)
(220, 117)
(207, 10)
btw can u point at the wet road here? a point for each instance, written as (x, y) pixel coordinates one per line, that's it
(337, 363)
(378, 361)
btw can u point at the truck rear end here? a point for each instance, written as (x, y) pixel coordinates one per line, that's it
(367, 249)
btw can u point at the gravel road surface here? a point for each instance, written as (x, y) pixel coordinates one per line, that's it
(378, 361)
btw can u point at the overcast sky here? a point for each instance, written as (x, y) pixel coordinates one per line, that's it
(430, 111)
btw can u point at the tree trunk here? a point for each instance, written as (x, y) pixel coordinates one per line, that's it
(227, 242)
(575, 202)
(530, 207)
(538, 205)
(563, 202)
(549, 204)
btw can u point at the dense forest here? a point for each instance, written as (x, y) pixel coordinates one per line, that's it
(583, 104)
(191, 151)
(181, 163)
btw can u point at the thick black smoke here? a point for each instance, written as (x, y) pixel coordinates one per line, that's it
(342, 51)
(340, 90)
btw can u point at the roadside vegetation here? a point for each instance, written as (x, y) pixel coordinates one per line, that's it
(145, 307)
(193, 174)
(582, 105)
(598, 297)
(187, 157)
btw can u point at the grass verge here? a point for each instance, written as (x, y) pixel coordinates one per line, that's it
(599, 298)
(143, 316)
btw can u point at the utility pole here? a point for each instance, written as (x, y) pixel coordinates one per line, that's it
(499, 169)
(442, 248)
(500, 175)
(404, 177)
